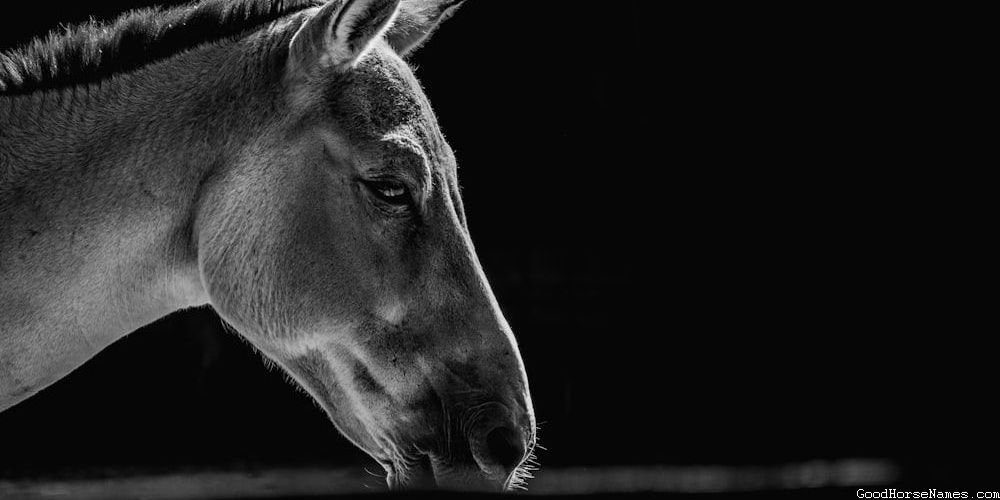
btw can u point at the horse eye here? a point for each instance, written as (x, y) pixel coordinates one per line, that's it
(391, 192)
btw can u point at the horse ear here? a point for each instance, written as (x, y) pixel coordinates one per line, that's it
(341, 32)
(417, 20)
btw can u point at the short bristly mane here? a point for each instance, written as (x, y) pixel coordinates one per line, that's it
(94, 51)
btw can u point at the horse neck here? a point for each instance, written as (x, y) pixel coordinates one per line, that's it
(99, 189)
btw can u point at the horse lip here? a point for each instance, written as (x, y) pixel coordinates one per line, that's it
(467, 476)
(432, 471)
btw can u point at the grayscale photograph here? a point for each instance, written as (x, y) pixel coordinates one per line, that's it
(280, 249)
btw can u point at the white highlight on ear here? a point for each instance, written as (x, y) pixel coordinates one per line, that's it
(341, 32)
(418, 19)
(359, 24)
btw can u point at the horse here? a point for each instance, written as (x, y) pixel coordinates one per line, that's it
(279, 161)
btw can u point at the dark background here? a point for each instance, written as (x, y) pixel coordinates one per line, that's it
(708, 229)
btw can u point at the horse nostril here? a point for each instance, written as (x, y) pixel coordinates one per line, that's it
(506, 447)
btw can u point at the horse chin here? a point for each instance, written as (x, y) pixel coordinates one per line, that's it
(415, 474)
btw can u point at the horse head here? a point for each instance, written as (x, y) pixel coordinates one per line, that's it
(338, 244)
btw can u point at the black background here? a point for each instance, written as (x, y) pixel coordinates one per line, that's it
(708, 229)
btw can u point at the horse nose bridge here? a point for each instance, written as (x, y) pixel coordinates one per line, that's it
(459, 265)
(472, 314)
(479, 303)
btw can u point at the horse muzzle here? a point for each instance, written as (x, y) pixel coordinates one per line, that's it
(485, 453)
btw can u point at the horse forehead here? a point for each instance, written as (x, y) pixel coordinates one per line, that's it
(381, 99)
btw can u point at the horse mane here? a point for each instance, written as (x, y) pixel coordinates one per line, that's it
(94, 51)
